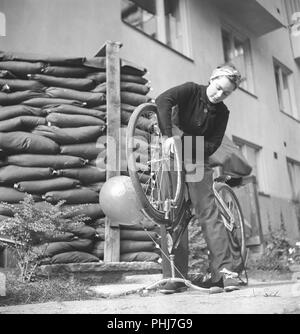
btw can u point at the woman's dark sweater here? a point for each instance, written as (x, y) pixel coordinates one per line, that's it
(197, 116)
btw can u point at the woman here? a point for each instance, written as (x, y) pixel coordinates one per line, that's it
(202, 113)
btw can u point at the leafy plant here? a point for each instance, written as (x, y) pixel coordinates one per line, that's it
(33, 224)
(276, 255)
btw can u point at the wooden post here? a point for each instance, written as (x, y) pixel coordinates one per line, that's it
(113, 149)
(166, 268)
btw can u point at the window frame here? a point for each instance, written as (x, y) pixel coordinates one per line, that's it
(161, 28)
(234, 33)
(293, 162)
(260, 169)
(284, 70)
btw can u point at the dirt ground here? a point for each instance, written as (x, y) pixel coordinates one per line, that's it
(261, 296)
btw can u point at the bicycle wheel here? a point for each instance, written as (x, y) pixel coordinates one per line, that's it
(157, 179)
(236, 236)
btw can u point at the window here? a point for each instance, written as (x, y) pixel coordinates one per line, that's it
(142, 15)
(237, 51)
(252, 153)
(285, 89)
(294, 176)
(164, 20)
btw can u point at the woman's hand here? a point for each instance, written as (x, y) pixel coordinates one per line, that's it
(169, 145)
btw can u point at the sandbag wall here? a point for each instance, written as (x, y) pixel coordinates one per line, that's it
(137, 242)
(53, 112)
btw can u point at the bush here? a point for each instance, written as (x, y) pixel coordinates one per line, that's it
(278, 251)
(30, 225)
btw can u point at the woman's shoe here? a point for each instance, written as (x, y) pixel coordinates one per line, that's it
(173, 287)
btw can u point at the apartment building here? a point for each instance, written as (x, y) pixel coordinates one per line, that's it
(183, 40)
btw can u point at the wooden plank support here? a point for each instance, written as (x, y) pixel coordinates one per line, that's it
(113, 109)
(166, 268)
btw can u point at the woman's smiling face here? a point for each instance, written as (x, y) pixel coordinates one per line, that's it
(219, 89)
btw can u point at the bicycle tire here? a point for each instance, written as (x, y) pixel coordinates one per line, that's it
(236, 240)
(149, 210)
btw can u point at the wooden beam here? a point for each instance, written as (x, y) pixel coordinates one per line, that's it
(113, 109)
(102, 50)
(166, 268)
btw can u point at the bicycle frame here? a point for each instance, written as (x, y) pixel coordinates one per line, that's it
(178, 225)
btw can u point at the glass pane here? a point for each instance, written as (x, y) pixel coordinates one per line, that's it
(294, 175)
(239, 60)
(297, 182)
(173, 24)
(286, 94)
(147, 5)
(226, 46)
(238, 52)
(251, 155)
(291, 177)
(141, 15)
(277, 79)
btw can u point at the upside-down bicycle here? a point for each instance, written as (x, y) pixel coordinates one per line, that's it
(159, 184)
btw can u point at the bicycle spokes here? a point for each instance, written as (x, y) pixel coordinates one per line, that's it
(235, 232)
(153, 177)
(149, 169)
(230, 213)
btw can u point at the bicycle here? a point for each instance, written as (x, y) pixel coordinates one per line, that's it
(159, 184)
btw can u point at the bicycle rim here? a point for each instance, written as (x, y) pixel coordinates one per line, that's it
(148, 169)
(237, 235)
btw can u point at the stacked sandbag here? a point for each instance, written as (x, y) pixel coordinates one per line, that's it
(73, 246)
(140, 242)
(52, 119)
(137, 242)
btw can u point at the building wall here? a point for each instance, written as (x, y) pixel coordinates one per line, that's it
(275, 7)
(254, 118)
(260, 120)
(80, 28)
(280, 129)
(59, 27)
